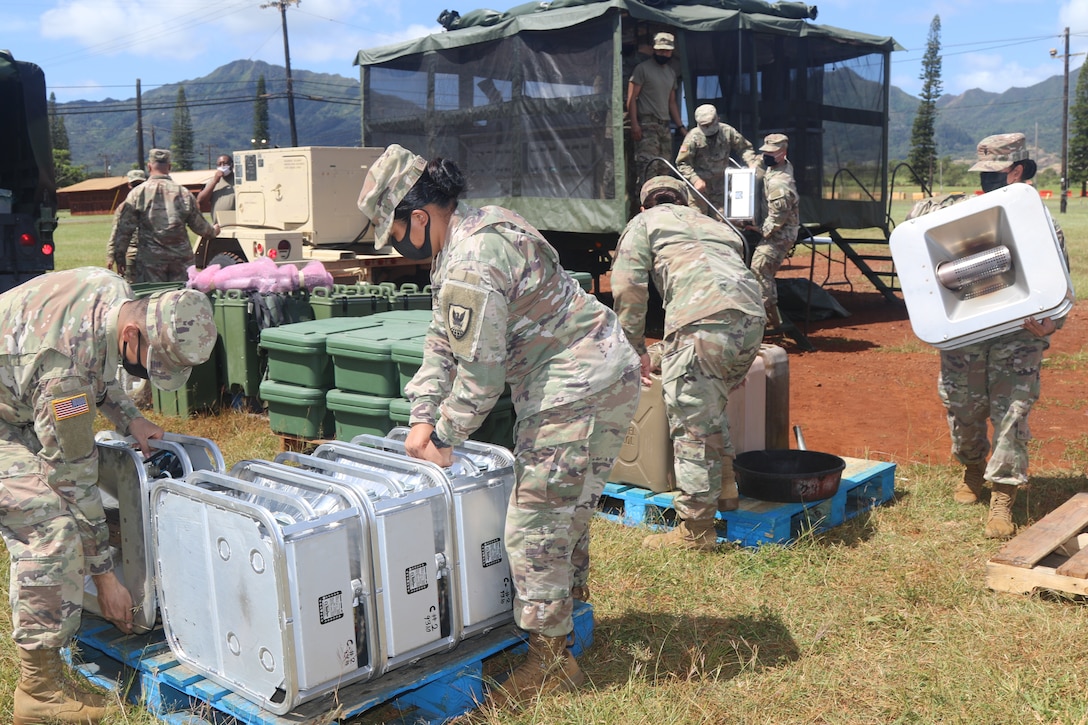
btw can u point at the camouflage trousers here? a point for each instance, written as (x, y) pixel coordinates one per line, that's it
(145, 269)
(768, 258)
(563, 458)
(656, 141)
(996, 380)
(700, 365)
(43, 529)
(715, 193)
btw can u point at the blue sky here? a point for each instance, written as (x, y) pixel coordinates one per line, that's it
(94, 49)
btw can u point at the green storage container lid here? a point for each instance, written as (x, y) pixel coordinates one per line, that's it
(410, 350)
(372, 342)
(420, 316)
(292, 394)
(584, 280)
(311, 336)
(348, 402)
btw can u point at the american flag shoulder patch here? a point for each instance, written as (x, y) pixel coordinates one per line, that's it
(70, 407)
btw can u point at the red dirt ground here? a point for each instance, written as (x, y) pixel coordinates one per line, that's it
(870, 388)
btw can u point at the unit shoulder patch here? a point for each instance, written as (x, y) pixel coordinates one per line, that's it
(463, 311)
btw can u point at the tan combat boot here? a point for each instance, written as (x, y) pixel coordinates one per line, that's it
(580, 592)
(729, 498)
(43, 698)
(549, 667)
(691, 534)
(969, 490)
(999, 525)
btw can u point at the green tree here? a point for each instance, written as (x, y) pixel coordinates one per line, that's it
(65, 172)
(58, 134)
(1078, 133)
(923, 144)
(261, 135)
(181, 138)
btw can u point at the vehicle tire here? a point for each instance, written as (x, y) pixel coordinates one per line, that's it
(226, 259)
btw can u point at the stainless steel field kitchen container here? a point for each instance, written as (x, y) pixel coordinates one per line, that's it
(124, 481)
(256, 585)
(481, 481)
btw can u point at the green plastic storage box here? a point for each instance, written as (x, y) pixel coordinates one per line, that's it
(411, 297)
(363, 361)
(497, 428)
(408, 355)
(296, 352)
(356, 413)
(241, 360)
(342, 300)
(146, 289)
(201, 392)
(584, 279)
(297, 411)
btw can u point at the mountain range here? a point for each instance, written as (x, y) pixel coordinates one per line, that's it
(102, 134)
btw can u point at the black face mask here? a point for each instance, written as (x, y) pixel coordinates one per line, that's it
(136, 369)
(993, 180)
(662, 59)
(769, 160)
(408, 250)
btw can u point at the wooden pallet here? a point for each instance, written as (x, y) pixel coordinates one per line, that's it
(438, 688)
(865, 484)
(1051, 554)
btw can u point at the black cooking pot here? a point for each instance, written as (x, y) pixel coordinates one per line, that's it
(788, 476)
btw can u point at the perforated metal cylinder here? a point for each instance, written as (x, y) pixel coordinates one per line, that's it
(974, 268)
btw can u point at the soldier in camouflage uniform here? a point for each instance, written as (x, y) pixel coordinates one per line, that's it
(651, 103)
(506, 312)
(65, 334)
(158, 212)
(997, 379)
(780, 222)
(704, 156)
(713, 327)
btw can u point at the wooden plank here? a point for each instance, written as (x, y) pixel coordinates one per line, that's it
(1076, 566)
(1016, 579)
(1030, 546)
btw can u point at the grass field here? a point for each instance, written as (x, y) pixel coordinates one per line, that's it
(885, 619)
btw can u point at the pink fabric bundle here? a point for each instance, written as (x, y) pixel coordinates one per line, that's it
(262, 275)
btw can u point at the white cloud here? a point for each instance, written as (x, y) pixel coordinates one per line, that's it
(996, 73)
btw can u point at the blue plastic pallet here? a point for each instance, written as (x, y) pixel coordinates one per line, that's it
(865, 484)
(434, 690)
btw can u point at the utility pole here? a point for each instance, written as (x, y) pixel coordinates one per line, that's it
(1065, 124)
(282, 5)
(140, 158)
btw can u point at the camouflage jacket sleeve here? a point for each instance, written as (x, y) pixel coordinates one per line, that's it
(630, 282)
(431, 383)
(742, 147)
(782, 202)
(685, 158)
(194, 219)
(125, 221)
(475, 315)
(64, 413)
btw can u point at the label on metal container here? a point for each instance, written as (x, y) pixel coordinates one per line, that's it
(330, 607)
(491, 552)
(415, 578)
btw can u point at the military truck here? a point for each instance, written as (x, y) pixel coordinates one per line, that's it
(530, 104)
(27, 186)
(297, 204)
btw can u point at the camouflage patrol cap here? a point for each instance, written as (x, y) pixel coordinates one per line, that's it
(775, 142)
(159, 156)
(136, 176)
(387, 183)
(706, 115)
(664, 41)
(1000, 151)
(180, 334)
(663, 182)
